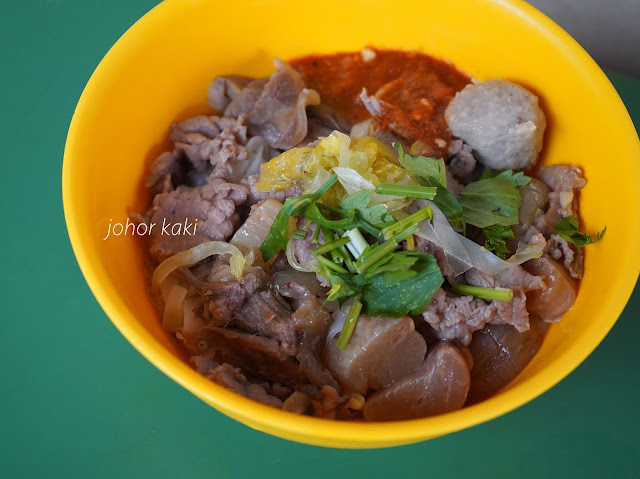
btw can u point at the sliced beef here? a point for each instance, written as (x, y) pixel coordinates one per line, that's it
(255, 196)
(328, 404)
(302, 248)
(245, 100)
(457, 317)
(224, 89)
(233, 379)
(166, 165)
(222, 298)
(425, 246)
(571, 256)
(461, 161)
(236, 171)
(312, 322)
(321, 122)
(565, 182)
(203, 364)
(267, 314)
(279, 114)
(298, 403)
(211, 140)
(258, 357)
(515, 278)
(207, 213)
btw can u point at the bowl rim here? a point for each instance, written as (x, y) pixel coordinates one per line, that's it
(312, 430)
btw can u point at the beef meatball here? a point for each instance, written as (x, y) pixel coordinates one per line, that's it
(501, 121)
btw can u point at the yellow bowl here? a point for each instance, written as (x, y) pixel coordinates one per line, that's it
(158, 72)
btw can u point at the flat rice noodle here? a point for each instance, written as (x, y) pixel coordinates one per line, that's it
(172, 316)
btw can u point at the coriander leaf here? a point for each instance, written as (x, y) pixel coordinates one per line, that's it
(377, 216)
(447, 203)
(422, 165)
(342, 288)
(357, 201)
(489, 173)
(432, 172)
(567, 228)
(495, 239)
(398, 293)
(278, 236)
(494, 200)
(392, 262)
(520, 178)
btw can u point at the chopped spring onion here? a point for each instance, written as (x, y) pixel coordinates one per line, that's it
(330, 246)
(316, 235)
(350, 323)
(347, 259)
(324, 188)
(299, 234)
(330, 237)
(498, 294)
(375, 255)
(357, 243)
(327, 263)
(411, 244)
(425, 192)
(403, 235)
(191, 257)
(411, 220)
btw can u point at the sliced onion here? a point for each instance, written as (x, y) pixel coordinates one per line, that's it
(172, 316)
(291, 257)
(190, 257)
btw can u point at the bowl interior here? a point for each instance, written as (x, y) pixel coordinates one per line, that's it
(159, 71)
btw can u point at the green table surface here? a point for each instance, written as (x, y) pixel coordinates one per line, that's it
(78, 401)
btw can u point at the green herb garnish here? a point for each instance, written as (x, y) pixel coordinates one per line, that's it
(278, 236)
(498, 294)
(350, 323)
(396, 293)
(422, 166)
(431, 172)
(411, 220)
(494, 200)
(407, 191)
(568, 229)
(496, 237)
